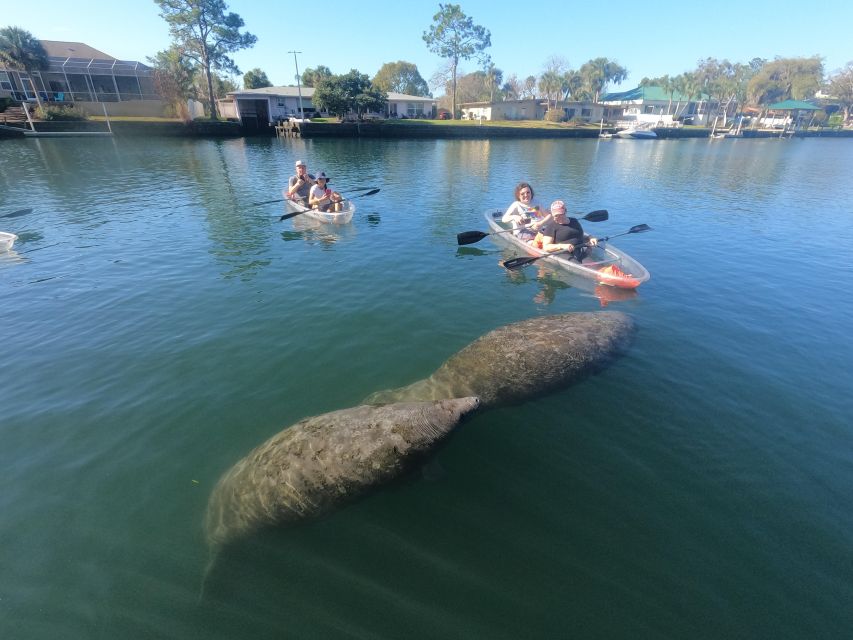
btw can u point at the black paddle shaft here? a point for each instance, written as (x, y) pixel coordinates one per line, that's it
(516, 263)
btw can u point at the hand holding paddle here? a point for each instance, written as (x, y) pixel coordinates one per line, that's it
(516, 263)
(470, 237)
(287, 216)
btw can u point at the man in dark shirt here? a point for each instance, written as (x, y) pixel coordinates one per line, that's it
(562, 233)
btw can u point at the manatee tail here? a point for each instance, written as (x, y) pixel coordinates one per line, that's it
(208, 569)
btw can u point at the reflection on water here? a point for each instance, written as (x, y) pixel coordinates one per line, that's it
(316, 231)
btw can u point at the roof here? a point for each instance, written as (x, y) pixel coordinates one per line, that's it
(62, 49)
(308, 92)
(644, 94)
(793, 105)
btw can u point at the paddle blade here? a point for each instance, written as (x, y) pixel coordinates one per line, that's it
(599, 215)
(258, 204)
(640, 228)
(288, 216)
(517, 263)
(469, 237)
(369, 193)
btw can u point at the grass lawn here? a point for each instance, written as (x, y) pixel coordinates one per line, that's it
(510, 124)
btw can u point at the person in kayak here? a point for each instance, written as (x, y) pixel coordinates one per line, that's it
(563, 233)
(321, 197)
(299, 186)
(525, 214)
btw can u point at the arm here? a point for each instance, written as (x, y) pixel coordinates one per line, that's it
(515, 215)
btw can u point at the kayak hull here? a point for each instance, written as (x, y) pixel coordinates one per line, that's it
(7, 240)
(605, 265)
(332, 217)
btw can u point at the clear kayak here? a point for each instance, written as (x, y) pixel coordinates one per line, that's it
(7, 240)
(605, 264)
(334, 217)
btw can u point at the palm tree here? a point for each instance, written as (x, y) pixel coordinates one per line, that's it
(20, 50)
(597, 73)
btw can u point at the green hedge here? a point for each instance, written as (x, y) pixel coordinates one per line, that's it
(50, 113)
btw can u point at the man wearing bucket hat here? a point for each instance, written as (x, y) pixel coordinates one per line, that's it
(323, 198)
(562, 233)
(299, 186)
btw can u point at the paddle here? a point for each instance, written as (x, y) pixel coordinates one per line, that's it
(287, 216)
(516, 263)
(470, 237)
(257, 204)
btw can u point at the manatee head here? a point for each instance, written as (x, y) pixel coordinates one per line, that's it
(323, 462)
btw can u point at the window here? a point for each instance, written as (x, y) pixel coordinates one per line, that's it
(5, 81)
(586, 113)
(570, 113)
(411, 109)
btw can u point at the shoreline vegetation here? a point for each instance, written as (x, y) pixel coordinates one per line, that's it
(393, 128)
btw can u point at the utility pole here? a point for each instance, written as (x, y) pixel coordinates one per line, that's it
(298, 84)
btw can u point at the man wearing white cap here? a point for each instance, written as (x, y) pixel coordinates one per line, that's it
(299, 186)
(562, 233)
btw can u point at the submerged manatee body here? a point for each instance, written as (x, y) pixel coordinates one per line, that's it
(323, 462)
(524, 360)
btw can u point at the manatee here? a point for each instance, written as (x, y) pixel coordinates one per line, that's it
(523, 360)
(326, 461)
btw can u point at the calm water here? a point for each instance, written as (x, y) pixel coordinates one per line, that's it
(156, 327)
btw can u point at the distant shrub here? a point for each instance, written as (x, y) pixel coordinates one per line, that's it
(553, 115)
(5, 103)
(836, 120)
(50, 112)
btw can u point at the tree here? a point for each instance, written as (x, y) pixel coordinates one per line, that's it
(401, 77)
(552, 80)
(841, 88)
(19, 49)
(512, 88)
(550, 85)
(206, 34)
(597, 73)
(786, 78)
(312, 77)
(529, 90)
(493, 78)
(454, 37)
(349, 92)
(256, 79)
(174, 78)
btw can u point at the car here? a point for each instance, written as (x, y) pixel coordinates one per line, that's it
(444, 115)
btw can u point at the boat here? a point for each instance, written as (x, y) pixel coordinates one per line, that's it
(636, 133)
(605, 264)
(7, 240)
(334, 217)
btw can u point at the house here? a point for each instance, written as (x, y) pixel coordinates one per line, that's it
(654, 106)
(258, 108)
(86, 78)
(535, 109)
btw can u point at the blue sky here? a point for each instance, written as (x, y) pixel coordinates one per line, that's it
(649, 39)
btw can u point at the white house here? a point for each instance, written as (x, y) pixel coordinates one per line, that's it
(265, 106)
(535, 109)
